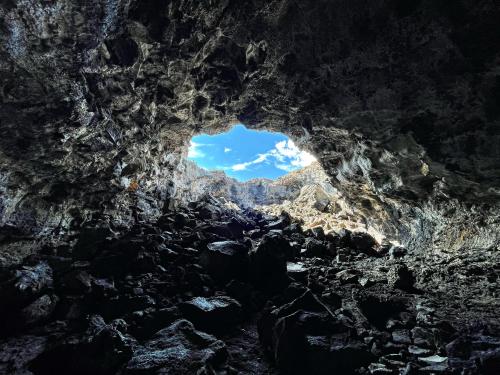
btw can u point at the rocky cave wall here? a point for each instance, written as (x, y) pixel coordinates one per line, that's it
(398, 100)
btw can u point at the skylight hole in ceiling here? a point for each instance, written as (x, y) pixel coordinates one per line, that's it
(246, 154)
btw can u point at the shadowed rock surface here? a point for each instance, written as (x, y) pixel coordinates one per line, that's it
(158, 298)
(106, 268)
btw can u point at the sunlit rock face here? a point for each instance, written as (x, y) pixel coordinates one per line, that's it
(397, 99)
(193, 183)
(307, 195)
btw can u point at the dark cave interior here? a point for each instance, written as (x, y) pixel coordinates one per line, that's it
(118, 256)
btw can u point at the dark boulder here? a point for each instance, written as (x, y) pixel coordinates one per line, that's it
(400, 277)
(397, 252)
(116, 263)
(143, 324)
(225, 260)
(363, 242)
(314, 248)
(241, 291)
(268, 263)
(31, 281)
(304, 337)
(40, 309)
(21, 289)
(231, 229)
(16, 353)
(177, 350)
(101, 350)
(212, 314)
(90, 241)
(343, 238)
(293, 228)
(77, 281)
(181, 219)
(209, 211)
(255, 233)
(281, 223)
(318, 233)
(297, 271)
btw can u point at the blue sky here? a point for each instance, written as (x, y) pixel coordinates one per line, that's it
(245, 154)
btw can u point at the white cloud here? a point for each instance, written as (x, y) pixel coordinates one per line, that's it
(194, 150)
(242, 166)
(287, 148)
(290, 157)
(286, 156)
(284, 167)
(227, 149)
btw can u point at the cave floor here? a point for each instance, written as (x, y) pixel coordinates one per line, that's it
(206, 290)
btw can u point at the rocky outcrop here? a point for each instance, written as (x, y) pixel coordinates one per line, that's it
(306, 194)
(193, 182)
(398, 101)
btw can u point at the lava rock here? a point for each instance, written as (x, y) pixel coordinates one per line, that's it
(304, 337)
(318, 233)
(461, 347)
(400, 277)
(89, 241)
(363, 242)
(268, 263)
(255, 233)
(212, 314)
(423, 337)
(344, 237)
(102, 350)
(17, 353)
(293, 228)
(241, 291)
(209, 212)
(490, 362)
(401, 336)
(31, 281)
(231, 230)
(348, 276)
(397, 252)
(178, 349)
(40, 309)
(297, 271)
(281, 223)
(77, 281)
(314, 248)
(225, 260)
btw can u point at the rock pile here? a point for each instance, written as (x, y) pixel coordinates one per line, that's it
(208, 290)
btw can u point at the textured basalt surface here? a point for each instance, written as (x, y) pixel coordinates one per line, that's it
(103, 271)
(397, 99)
(207, 290)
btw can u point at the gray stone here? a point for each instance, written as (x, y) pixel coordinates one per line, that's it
(212, 314)
(225, 260)
(177, 349)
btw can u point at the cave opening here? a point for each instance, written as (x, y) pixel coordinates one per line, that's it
(265, 171)
(245, 154)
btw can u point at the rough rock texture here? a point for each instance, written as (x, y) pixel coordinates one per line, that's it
(142, 300)
(398, 100)
(306, 194)
(193, 182)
